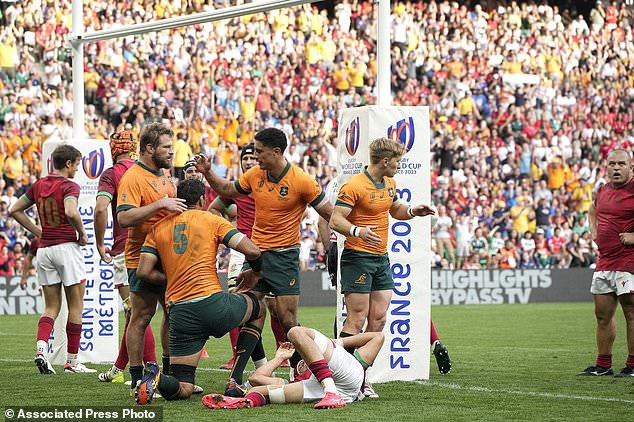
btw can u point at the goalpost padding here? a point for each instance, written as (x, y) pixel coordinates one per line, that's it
(405, 353)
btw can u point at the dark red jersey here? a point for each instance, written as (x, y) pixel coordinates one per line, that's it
(615, 214)
(108, 184)
(246, 212)
(48, 194)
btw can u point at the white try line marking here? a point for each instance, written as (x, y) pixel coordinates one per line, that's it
(476, 389)
(204, 369)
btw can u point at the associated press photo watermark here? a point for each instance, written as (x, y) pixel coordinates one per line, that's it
(81, 413)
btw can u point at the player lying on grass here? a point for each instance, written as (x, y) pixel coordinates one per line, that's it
(327, 374)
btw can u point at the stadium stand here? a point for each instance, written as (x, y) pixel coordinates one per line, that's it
(526, 101)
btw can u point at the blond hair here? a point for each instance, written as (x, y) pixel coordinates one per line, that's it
(385, 148)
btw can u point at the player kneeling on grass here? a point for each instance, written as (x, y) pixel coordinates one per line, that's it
(327, 374)
(186, 246)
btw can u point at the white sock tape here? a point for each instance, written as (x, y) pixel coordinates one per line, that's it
(276, 394)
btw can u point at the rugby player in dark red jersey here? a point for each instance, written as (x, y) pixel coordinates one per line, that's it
(59, 258)
(245, 214)
(612, 227)
(122, 148)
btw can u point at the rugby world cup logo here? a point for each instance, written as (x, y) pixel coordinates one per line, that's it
(403, 132)
(94, 163)
(352, 136)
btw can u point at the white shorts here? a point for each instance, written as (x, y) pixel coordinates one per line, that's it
(347, 373)
(236, 261)
(63, 263)
(462, 249)
(120, 271)
(619, 282)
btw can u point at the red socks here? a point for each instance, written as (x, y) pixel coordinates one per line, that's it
(45, 328)
(233, 335)
(433, 336)
(149, 349)
(630, 361)
(257, 399)
(604, 361)
(278, 332)
(320, 369)
(122, 357)
(73, 334)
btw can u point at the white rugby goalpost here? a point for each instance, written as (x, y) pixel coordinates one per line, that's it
(409, 360)
(78, 38)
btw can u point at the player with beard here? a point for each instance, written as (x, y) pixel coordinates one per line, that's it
(245, 214)
(146, 195)
(123, 149)
(612, 227)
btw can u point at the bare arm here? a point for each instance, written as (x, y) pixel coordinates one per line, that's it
(324, 209)
(340, 224)
(264, 374)
(324, 233)
(248, 279)
(246, 246)
(73, 217)
(592, 219)
(136, 216)
(221, 185)
(147, 269)
(400, 211)
(218, 207)
(101, 222)
(17, 212)
(28, 264)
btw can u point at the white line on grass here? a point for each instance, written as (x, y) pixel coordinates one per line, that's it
(198, 369)
(477, 389)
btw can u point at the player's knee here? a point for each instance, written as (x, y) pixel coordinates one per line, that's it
(288, 320)
(185, 374)
(293, 333)
(185, 392)
(258, 309)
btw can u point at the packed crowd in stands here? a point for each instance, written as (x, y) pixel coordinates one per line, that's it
(525, 99)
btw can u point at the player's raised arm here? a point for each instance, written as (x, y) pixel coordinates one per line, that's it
(222, 186)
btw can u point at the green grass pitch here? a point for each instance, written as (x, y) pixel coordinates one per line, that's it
(511, 362)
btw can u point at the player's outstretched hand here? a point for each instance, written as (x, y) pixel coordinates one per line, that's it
(423, 210)
(627, 238)
(369, 236)
(173, 204)
(203, 164)
(285, 351)
(247, 280)
(104, 253)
